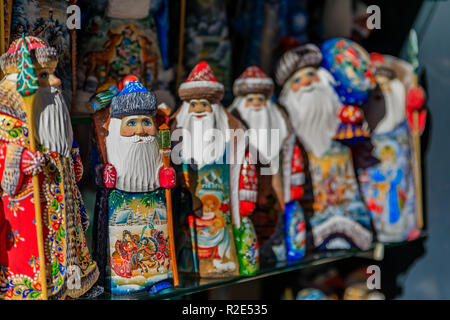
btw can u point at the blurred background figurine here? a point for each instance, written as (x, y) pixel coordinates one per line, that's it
(58, 166)
(388, 187)
(280, 168)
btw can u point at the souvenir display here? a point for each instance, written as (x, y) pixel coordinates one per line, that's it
(340, 219)
(280, 168)
(216, 179)
(46, 20)
(138, 250)
(40, 163)
(388, 187)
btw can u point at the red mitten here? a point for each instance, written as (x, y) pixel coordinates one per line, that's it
(246, 207)
(167, 177)
(415, 99)
(109, 176)
(296, 192)
(32, 163)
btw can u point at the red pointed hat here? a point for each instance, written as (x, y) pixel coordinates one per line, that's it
(253, 80)
(201, 84)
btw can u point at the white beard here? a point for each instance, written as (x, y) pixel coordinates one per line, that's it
(137, 163)
(313, 112)
(201, 144)
(267, 118)
(395, 102)
(53, 126)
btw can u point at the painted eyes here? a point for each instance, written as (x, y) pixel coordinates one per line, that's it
(146, 123)
(44, 75)
(251, 100)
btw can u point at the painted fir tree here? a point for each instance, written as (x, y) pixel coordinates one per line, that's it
(27, 83)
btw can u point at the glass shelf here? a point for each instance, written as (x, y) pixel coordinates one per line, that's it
(189, 285)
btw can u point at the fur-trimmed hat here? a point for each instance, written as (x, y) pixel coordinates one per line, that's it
(134, 99)
(253, 80)
(201, 84)
(307, 55)
(42, 55)
(383, 67)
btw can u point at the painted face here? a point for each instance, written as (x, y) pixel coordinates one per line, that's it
(47, 78)
(140, 125)
(304, 77)
(257, 101)
(199, 106)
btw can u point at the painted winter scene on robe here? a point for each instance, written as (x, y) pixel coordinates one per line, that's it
(138, 249)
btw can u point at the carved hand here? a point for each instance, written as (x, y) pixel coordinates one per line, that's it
(167, 177)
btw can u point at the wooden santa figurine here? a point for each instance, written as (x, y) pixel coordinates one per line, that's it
(217, 182)
(389, 187)
(138, 251)
(278, 217)
(60, 221)
(340, 219)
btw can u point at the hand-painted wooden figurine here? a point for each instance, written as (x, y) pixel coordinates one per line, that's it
(217, 182)
(138, 232)
(340, 218)
(69, 269)
(280, 168)
(388, 187)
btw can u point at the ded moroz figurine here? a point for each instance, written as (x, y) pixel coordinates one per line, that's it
(39, 160)
(217, 183)
(388, 187)
(278, 217)
(138, 250)
(340, 219)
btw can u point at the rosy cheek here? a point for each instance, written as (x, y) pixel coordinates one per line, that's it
(150, 130)
(127, 131)
(296, 86)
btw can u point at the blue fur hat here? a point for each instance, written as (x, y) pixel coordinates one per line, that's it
(134, 99)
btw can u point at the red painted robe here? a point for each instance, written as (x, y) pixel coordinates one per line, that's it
(69, 267)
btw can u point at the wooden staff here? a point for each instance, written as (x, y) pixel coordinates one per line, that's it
(413, 52)
(2, 26)
(418, 166)
(27, 85)
(164, 144)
